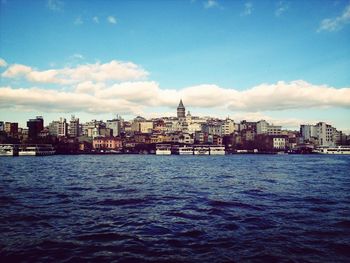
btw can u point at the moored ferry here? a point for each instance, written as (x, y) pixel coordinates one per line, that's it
(217, 150)
(36, 150)
(163, 149)
(201, 150)
(185, 150)
(333, 150)
(8, 150)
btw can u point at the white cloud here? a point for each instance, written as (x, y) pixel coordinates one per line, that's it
(55, 5)
(89, 87)
(113, 70)
(292, 95)
(248, 9)
(281, 7)
(337, 23)
(78, 21)
(121, 86)
(111, 20)
(96, 19)
(211, 4)
(3, 63)
(60, 101)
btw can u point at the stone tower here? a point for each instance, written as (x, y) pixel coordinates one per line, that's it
(181, 111)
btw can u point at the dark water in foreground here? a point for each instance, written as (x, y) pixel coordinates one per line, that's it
(132, 208)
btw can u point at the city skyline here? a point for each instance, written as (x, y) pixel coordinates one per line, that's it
(244, 59)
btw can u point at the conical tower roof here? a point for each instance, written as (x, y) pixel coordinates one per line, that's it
(181, 105)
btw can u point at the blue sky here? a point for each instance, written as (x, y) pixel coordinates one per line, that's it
(180, 48)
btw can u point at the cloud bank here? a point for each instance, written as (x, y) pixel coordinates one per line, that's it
(113, 70)
(123, 87)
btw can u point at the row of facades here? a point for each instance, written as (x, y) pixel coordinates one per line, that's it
(116, 134)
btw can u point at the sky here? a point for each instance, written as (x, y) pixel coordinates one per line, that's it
(287, 62)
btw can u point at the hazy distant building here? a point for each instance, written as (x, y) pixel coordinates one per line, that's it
(115, 126)
(263, 127)
(141, 125)
(62, 130)
(74, 130)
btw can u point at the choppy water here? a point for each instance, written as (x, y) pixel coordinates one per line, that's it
(132, 208)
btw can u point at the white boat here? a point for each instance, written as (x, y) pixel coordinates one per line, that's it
(217, 150)
(7, 150)
(185, 150)
(333, 150)
(36, 150)
(200, 150)
(163, 149)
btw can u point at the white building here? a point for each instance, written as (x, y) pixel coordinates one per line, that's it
(279, 143)
(59, 128)
(74, 130)
(322, 134)
(115, 126)
(213, 129)
(193, 127)
(263, 127)
(142, 125)
(227, 127)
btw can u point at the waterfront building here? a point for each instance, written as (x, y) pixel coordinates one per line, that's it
(200, 137)
(74, 129)
(34, 127)
(105, 143)
(266, 142)
(186, 138)
(279, 142)
(321, 134)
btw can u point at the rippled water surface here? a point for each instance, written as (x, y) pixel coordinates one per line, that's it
(135, 208)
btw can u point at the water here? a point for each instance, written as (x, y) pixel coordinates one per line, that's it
(135, 208)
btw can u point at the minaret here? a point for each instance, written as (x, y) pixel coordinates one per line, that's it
(181, 111)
